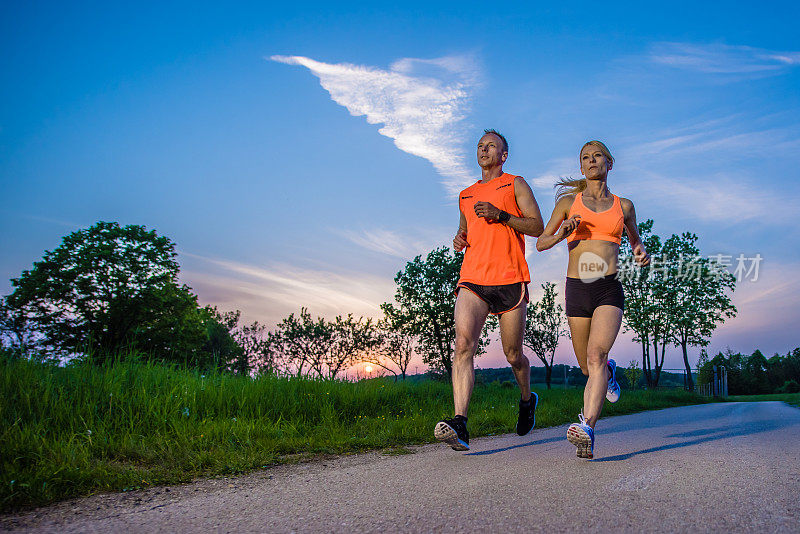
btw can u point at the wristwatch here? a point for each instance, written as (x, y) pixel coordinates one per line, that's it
(504, 216)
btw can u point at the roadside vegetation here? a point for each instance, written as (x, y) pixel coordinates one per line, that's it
(788, 398)
(84, 428)
(83, 410)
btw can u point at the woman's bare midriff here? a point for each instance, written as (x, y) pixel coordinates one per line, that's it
(592, 257)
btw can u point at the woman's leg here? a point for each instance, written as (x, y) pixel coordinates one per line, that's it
(605, 324)
(579, 328)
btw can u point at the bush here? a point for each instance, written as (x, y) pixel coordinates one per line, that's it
(790, 386)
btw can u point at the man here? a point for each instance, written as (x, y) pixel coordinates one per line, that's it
(496, 214)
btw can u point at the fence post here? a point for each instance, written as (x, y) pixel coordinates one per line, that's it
(724, 382)
(715, 383)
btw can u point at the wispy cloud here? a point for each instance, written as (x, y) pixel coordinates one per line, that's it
(270, 292)
(717, 58)
(714, 198)
(420, 103)
(405, 245)
(557, 168)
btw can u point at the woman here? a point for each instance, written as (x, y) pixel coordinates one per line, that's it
(591, 219)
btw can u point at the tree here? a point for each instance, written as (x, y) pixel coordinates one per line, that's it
(426, 301)
(222, 350)
(396, 344)
(633, 373)
(241, 348)
(544, 327)
(351, 339)
(260, 347)
(16, 332)
(108, 289)
(698, 295)
(303, 341)
(647, 303)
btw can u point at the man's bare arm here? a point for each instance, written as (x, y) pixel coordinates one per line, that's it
(460, 240)
(531, 221)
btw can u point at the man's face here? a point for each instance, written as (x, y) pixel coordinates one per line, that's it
(490, 151)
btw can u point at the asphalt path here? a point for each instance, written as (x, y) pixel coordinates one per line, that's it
(728, 467)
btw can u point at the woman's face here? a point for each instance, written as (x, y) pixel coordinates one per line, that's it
(594, 164)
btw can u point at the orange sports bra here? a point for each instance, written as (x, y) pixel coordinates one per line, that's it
(605, 226)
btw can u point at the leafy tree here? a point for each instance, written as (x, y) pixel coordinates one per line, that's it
(426, 302)
(396, 345)
(260, 347)
(108, 289)
(633, 374)
(351, 339)
(241, 348)
(698, 295)
(16, 332)
(647, 304)
(303, 342)
(544, 327)
(748, 375)
(221, 349)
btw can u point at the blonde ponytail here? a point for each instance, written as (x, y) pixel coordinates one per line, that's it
(567, 186)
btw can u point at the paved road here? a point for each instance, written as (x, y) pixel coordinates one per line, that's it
(721, 467)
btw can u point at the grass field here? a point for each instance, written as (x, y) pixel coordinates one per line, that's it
(77, 430)
(789, 398)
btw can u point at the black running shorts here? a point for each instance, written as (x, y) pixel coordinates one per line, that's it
(584, 297)
(500, 299)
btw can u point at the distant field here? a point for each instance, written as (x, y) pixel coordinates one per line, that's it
(69, 431)
(789, 398)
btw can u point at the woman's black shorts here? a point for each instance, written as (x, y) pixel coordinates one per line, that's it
(584, 297)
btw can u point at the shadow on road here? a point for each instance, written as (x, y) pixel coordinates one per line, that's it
(732, 432)
(528, 444)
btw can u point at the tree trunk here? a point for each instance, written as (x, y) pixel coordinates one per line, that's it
(690, 382)
(548, 374)
(646, 368)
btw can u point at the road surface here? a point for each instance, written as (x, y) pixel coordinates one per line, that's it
(730, 467)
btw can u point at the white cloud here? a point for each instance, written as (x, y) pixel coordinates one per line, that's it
(418, 111)
(717, 58)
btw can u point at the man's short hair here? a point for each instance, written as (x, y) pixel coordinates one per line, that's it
(498, 134)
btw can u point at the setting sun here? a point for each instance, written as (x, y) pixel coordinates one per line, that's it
(368, 368)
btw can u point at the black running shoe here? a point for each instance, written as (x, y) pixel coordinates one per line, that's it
(453, 432)
(527, 414)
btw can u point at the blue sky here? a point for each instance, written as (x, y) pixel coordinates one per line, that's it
(300, 154)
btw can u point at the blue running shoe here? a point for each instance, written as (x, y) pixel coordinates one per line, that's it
(613, 391)
(582, 436)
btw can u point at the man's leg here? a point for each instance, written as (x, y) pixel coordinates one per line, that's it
(606, 322)
(512, 330)
(470, 314)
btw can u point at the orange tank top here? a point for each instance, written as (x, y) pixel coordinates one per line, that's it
(496, 252)
(605, 226)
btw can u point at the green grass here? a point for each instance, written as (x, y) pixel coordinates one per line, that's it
(77, 430)
(789, 398)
